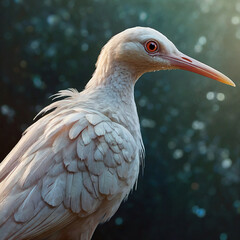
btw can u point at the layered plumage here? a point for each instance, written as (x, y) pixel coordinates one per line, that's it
(74, 166)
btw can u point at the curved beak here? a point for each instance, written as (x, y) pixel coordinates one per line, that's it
(182, 61)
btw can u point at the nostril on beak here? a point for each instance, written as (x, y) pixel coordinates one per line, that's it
(186, 59)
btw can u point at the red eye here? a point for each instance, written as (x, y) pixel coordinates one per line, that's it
(151, 46)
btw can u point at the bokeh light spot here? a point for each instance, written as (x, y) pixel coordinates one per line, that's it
(227, 163)
(118, 221)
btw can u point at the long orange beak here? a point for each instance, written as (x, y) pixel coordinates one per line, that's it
(182, 61)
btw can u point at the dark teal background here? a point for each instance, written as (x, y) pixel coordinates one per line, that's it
(190, 189)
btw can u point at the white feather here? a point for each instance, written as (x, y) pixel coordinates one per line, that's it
(38, 167)
(76, 191)
(85, 136)
(94, 119)
(69, 183)
(107, 183)
(77, 128)
(28, 208)
(53, 190)
(98, 156)
(99, 129)
(89, 204)
(60, 142)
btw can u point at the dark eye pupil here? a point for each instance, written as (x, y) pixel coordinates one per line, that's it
(152, 46)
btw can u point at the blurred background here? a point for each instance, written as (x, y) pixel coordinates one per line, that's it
(190, 124)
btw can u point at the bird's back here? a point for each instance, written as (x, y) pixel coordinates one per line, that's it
(72, 167)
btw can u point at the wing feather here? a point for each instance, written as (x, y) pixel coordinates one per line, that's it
(34, 170)
(53, 189)
(76, 191)
(81, 162)
(77, 128)
(30, 206)
(68, 191)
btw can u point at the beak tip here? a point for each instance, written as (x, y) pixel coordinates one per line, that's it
(230, 82)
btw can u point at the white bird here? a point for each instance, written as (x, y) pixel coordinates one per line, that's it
(74, 166)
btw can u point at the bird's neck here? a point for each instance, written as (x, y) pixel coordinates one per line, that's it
(118, 80)
(112, 93)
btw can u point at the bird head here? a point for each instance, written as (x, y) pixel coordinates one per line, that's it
(144, 49)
